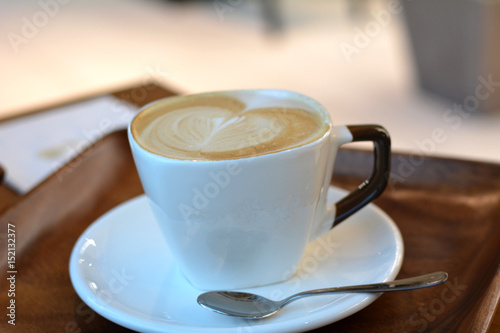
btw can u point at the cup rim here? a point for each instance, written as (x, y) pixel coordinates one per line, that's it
(308, 100)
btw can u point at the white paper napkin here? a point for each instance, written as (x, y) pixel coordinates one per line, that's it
(35, 146)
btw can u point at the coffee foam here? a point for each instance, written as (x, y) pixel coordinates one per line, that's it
(220, 127)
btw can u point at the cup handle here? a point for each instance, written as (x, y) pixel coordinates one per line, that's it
(371, 188)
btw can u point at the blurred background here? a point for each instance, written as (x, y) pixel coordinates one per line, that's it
(426, 70)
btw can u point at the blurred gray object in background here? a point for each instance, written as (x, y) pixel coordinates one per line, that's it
(455, 44)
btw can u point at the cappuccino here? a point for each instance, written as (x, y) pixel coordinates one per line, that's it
(219, 126)
(238, 181)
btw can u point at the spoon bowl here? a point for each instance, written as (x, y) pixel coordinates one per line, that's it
(252, 306)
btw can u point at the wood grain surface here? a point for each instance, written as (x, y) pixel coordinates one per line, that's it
(448, 212)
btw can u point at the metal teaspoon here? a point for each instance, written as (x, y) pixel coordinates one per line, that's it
(251, 306)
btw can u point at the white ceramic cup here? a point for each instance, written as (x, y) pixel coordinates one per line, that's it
(245, 222)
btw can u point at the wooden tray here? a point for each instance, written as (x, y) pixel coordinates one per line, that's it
(448, 212)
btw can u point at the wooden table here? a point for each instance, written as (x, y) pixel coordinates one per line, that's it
(448, 212)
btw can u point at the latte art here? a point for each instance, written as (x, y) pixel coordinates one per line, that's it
(206, 130)
(218, 127)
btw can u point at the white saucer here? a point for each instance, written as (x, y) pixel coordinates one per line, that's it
(121, 267)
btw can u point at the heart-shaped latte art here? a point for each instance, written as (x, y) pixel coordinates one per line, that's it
(223, 128)
(211, 129)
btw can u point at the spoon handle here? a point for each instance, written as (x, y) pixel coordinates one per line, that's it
(417, 282)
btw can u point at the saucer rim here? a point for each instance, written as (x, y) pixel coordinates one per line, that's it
(315, 320)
